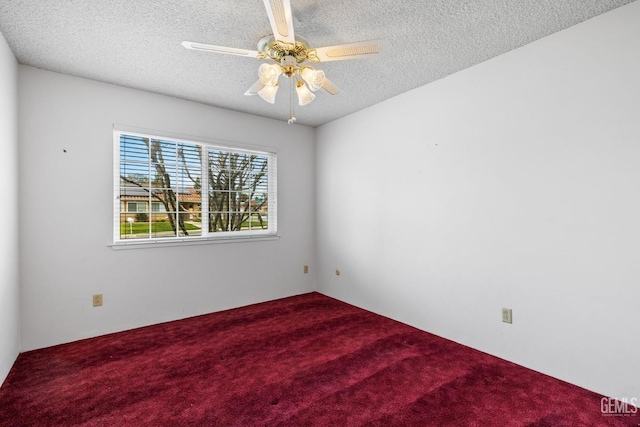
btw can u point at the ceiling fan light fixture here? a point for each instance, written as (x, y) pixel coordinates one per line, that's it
(269, 74)
(305, 96)
(268, 93)
(314, 78)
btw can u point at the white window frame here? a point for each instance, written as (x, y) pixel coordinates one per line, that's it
(207, 237)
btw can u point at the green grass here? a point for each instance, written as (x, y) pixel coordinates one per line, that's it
(156, 227)
(254, 224)
(159, 227)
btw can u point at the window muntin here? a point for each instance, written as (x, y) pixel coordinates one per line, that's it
(195, 190)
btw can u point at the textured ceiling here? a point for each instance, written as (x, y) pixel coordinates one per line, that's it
(136, 43)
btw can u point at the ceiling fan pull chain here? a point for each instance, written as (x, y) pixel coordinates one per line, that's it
(292, 118)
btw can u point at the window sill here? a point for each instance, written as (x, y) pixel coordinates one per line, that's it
(188, 242)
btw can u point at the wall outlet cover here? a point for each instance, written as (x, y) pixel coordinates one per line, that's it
(507, 315)
(97, 300)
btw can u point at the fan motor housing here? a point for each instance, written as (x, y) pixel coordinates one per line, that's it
(276, 49)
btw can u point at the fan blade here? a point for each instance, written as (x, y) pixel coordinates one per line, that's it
(348, 51)
(279, 12)
(221, 49)
(330, 87)
(253, 90)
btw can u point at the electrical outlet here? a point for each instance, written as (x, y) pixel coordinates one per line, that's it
(97, 300)
(306, 269)
(507, 315)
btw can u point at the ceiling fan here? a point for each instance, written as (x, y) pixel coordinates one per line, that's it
(289, 58)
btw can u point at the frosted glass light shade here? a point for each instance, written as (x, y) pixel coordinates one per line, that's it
(268, 93)
(314, 78)
(305, 96)
(269, 74)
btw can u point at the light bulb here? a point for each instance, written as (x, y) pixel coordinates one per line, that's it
(305, 96)
(314, 78)
(268, 93)
(269, 74)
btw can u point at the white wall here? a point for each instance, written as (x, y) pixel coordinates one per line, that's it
(9, 285)
(66, 215)
(513, 184)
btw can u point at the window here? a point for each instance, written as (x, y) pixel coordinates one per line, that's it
(157, 207)
(136, 207)
(195, 191)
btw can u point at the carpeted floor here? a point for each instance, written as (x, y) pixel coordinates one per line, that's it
(307, 360)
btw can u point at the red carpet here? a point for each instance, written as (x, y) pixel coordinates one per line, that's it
(301, 361)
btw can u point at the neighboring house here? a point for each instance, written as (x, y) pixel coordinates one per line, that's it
(135, 200)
